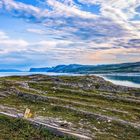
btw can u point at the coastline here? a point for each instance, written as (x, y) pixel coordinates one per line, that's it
(121, 83)
(116, 82)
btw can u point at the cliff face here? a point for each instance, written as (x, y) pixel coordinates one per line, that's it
(74, 68)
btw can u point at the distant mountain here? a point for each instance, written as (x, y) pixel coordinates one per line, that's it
(9, 70)
(89, 69)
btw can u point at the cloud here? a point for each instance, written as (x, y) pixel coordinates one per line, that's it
(11, 45)
(68, 30)
(3, 35)
(36, 31)
(71, 10)
(20, 8)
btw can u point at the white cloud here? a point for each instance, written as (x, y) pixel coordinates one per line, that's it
(36, 31)
(11, 45)
(73, 32)
(3, 35)
(11, 4)
(62, 9)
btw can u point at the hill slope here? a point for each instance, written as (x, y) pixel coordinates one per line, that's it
(75, 68)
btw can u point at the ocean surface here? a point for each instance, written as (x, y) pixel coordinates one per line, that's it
(125, 79)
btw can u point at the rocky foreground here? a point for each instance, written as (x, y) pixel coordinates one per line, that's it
(80, 107)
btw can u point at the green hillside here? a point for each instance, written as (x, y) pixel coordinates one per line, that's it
(82, 106)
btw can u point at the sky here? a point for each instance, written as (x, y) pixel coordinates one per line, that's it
(42, 33)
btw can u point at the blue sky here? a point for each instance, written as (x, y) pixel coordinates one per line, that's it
(40, 33)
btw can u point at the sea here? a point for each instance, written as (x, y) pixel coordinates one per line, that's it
(124, 79)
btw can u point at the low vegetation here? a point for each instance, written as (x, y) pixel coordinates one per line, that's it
(19, 129)
(85, 105)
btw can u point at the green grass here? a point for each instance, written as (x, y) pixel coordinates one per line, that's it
(74, 117)
(19, 129)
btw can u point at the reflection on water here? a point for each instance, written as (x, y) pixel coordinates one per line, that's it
(128, 79)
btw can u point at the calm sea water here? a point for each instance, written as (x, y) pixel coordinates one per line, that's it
(125, 79)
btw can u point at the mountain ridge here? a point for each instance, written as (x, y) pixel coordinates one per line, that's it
(77, 68)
